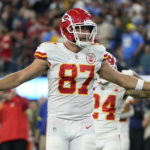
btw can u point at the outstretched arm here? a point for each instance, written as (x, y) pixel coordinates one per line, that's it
(126, 81)
(15, 79)
(137, 94)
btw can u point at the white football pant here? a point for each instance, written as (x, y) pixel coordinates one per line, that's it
(65, 134)
(110, 143)
(124, 136)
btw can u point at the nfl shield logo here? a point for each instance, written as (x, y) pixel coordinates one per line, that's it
(76, 56)
(91, 58)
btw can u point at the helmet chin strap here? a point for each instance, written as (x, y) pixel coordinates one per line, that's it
(82, 44)
(79, 43)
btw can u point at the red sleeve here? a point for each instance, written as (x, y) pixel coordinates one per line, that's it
(24, 103)
(1, 105)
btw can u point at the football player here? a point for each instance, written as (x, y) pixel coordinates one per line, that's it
(126, 112)
(71, 67)
(109, 99)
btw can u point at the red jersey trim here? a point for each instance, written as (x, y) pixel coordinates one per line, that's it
(40, 55)
(106, 56)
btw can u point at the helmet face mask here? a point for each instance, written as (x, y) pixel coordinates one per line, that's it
(73, 24)
(88, 37)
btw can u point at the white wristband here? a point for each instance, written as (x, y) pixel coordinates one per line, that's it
(139, 85)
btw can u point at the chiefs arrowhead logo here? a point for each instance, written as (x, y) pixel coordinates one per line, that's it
(91, 58)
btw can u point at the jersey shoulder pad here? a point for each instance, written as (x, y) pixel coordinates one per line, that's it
(43, 50)
(99, 50)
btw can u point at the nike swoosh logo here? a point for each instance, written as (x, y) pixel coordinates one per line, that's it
(87, 127)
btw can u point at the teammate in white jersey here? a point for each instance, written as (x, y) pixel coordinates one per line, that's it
(126, 113)
(71, 67)
(109, 99)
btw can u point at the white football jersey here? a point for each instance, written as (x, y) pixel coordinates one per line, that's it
(70, 78)
(108, 103)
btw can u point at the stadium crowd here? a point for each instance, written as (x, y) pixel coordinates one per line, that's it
(123, 27)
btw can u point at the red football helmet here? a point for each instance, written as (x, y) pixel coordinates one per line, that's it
(72, 24)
